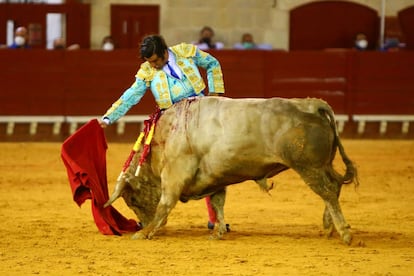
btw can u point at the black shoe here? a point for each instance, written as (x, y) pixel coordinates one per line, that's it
(210, 225)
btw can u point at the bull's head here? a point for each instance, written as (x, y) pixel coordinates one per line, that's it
(142, 193)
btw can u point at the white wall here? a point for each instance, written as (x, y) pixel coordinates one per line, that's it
(181, 20)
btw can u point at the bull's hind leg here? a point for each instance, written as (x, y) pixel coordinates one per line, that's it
(328, 224)
(217, 203)
(327, 218)
(328, 189)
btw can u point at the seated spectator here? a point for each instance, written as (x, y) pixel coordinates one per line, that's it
(247, 42)
(21, 39)
(392, 44)
(361, 42)
(60, 44)
(206, 40)
(108, 43)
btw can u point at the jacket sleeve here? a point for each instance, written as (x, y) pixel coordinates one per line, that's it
(213, 68)
(129, 98)
(204, 60)
(132, 95)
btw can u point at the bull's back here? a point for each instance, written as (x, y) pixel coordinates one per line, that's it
(246, 130)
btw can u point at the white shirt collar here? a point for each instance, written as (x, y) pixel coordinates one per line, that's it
(173, 64)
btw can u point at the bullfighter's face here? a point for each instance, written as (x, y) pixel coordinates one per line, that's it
(158, 62)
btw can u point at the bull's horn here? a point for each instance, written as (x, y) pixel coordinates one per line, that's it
(120, 185)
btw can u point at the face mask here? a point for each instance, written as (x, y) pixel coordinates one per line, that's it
(248, 45)
(108, 46)
(362, 44)
(19, 40)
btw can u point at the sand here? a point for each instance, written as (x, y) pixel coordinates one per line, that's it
(44, 232)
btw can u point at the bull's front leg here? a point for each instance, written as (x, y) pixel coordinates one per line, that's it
(217, 202)
(166, 204)
(170, 192)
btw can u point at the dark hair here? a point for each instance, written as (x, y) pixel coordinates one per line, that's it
(153, 44)
(207, 28)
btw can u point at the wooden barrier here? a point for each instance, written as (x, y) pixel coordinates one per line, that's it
(42, 87)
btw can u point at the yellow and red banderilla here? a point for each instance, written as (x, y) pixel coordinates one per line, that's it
(146, 149)
(134, 150)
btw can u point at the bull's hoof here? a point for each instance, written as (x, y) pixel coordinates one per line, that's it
(139, 236)
(346, 234)
(215, 236)
(347, 238)
(329, 230)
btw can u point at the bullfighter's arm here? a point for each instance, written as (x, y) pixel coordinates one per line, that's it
(213, 68)
(129, 98)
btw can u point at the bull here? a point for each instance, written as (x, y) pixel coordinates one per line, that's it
(202, 145)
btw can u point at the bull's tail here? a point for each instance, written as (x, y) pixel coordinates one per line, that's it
(351, 173)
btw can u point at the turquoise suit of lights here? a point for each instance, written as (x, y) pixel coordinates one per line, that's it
(166, 89)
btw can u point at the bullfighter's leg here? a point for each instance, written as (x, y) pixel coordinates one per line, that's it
(211, 214)
(328, 189)
(217, 203)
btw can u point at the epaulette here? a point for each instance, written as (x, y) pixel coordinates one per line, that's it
(184, 50)
(146, 72)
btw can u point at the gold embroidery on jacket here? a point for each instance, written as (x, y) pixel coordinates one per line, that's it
(114, 106)
(218, 80)
(164, 97)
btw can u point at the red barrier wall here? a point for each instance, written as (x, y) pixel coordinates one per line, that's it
(40, 82)
(308, 74)
(382, 83)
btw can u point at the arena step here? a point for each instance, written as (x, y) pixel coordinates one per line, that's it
(383, 120)
(57, 121)
(74, 121)
(33, 121)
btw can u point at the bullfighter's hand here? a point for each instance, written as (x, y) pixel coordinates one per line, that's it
(103, 124)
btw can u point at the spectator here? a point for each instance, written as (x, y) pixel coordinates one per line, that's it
(361, 42)
(108, 43)
(60, 44)
(247, 42)
(21, 39)
(392, 45)
(206, 41)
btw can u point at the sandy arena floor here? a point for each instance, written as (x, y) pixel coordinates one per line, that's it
(46, 233)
